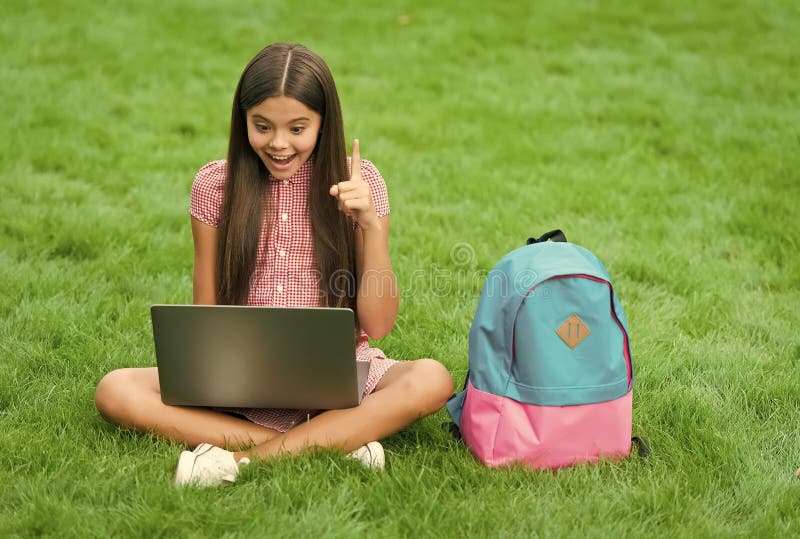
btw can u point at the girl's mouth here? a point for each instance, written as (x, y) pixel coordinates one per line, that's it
(281, 162)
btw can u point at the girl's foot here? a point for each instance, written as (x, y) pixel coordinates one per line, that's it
(209, 465)
(206, 466)
(370, 455)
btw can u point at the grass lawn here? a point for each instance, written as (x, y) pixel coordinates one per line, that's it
(663, 136)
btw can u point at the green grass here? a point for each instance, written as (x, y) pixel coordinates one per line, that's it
(661, 135)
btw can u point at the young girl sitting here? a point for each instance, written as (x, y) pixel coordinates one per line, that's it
(287, 220)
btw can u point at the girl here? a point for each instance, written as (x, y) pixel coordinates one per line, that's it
(282, 222)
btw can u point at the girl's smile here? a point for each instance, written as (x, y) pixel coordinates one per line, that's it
(283, 132)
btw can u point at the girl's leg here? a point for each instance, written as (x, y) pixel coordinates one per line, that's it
(408, 391)
(131, 398)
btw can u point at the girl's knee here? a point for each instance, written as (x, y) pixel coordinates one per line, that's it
(116, 392)
(107, 393)
(434, 383)
(438, 376)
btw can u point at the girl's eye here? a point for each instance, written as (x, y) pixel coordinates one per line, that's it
(297, 129)
(262, 128)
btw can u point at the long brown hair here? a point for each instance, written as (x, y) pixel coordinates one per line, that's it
(294, 71)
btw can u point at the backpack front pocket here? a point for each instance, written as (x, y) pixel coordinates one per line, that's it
(569, 347)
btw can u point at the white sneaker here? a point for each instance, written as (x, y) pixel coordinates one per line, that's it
(207, 465)
(370, 455)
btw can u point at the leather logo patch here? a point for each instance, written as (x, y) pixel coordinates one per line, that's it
(573, 331)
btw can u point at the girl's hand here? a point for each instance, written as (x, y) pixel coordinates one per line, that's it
(354, 196)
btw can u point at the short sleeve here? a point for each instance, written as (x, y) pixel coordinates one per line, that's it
(377, 187)
(207, 193)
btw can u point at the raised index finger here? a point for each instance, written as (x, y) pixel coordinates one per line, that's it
(355, 163)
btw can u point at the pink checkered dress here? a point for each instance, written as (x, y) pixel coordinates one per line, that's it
(285, 274)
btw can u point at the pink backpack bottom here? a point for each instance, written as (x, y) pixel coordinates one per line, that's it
(502, 431)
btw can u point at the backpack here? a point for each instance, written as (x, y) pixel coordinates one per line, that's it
(550, 375)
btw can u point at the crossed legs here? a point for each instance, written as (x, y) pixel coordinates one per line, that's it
(409, 390)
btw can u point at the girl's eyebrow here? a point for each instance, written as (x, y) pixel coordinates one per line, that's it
(300, 119)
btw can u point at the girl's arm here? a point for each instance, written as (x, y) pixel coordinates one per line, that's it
(205, 256)
(378, 299)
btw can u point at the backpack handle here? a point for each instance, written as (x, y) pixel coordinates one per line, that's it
(553, 235)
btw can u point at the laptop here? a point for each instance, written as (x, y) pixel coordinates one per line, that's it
(257, 357)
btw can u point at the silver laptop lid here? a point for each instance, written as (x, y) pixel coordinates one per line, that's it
(257, 357)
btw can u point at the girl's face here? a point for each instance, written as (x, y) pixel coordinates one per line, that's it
(283, 132)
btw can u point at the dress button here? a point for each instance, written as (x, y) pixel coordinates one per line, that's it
(282, 253)
(279, 288)
(285, 182)
(284, 216)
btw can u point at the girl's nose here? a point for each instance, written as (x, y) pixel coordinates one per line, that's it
(278, 142)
